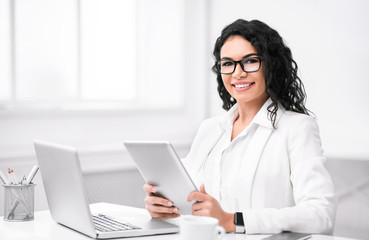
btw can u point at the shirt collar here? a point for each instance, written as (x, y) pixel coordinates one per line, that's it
(230, 116)
(261, 118)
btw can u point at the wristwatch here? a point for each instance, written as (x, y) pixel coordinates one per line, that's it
(238, 222)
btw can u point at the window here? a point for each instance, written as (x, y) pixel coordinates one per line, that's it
(91, 53)
(5, 55)
(108, 49)
(45, 51)
(50, 89)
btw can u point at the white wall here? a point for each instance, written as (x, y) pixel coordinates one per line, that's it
(329, 40)
(106, 129)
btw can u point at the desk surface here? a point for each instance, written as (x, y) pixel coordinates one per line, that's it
(43, 227)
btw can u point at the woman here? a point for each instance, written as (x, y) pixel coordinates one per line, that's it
(262, 163)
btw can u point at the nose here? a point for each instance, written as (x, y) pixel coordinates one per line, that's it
(239, 72)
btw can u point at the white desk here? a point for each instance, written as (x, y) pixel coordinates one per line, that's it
(43, 227)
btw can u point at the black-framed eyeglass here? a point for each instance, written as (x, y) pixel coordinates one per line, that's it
(249, 64)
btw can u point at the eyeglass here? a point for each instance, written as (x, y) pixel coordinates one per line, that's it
(249, 64)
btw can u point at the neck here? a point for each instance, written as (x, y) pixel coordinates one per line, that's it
(248, 110)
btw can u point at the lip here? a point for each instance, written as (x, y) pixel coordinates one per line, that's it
(242, 88)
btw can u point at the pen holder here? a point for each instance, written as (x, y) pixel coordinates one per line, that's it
(19, 202)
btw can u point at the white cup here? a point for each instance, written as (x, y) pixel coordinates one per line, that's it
(199, 228)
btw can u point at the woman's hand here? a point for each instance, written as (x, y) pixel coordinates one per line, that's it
(158, 207)
(206, 205)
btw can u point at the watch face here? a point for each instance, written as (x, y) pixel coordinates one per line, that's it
(238, 219)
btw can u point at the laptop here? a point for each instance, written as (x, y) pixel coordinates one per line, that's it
(68, 202)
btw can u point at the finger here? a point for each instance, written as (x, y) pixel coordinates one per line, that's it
(163, 216)
(175, 215)
(149, 188)
(196, 213)
(151, 200)
(202, 212)
(161, 209)
(202, 188)
(197, 196)
(197, 206)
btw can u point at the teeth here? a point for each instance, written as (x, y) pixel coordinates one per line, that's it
(242, 85)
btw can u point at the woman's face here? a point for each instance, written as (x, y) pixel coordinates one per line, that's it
(244, 87)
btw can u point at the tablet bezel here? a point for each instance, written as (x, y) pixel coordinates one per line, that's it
(160, 166)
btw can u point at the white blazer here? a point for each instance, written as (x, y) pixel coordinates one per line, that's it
(283, 184)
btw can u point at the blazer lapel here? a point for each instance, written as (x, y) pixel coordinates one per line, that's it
(248, 170)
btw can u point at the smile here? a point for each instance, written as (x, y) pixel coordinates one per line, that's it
(243, 85)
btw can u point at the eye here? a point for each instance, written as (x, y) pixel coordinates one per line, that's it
(250, 60)
(226, 63)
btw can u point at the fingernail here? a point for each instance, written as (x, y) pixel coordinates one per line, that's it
(175, 209)
(169, 203)
(153, 189)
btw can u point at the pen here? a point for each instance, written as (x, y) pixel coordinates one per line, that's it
(15, 204)
(24, 180)
(12, 209)
(19, 200)
(32, 174)
(3, 178)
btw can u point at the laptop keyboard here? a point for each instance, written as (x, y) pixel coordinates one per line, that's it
(104, 223)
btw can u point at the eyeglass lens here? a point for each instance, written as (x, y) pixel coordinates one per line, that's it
(251, 64)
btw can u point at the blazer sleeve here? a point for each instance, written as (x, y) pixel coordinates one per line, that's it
(313, 190)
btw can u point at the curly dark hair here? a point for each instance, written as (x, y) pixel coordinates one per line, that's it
(283, 86)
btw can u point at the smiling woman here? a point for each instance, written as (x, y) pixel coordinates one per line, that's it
(261, 163)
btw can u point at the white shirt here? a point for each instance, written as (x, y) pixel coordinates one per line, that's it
(224, 161)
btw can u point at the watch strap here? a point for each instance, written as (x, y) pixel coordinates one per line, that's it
(240, 229)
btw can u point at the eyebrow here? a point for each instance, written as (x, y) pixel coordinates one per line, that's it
(246, 56)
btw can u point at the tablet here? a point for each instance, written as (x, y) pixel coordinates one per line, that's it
(160, 166)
